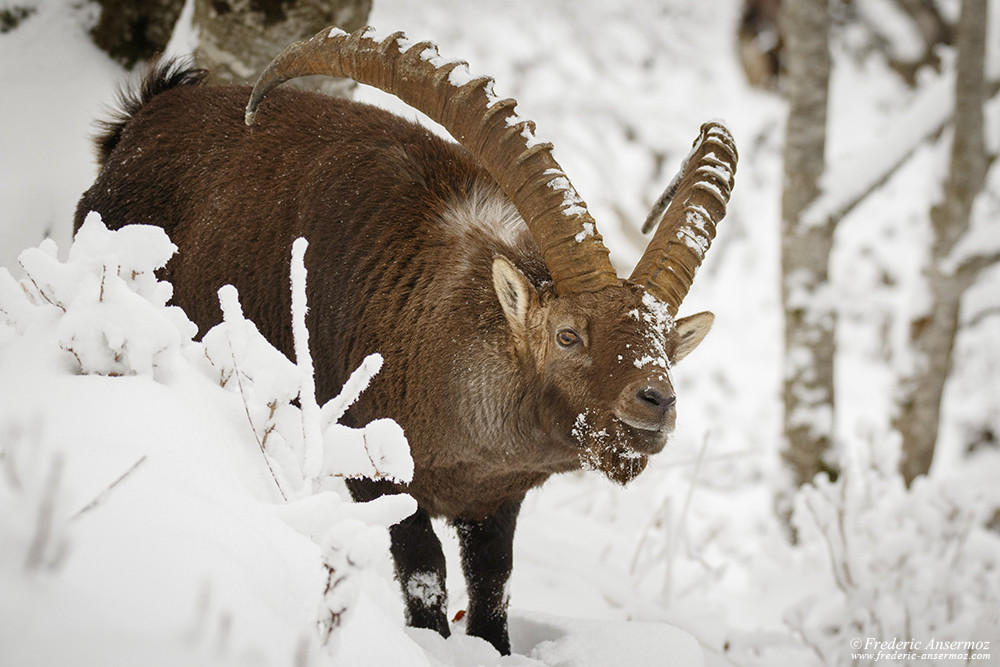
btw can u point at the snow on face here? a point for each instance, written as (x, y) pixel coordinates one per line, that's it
(607, 450)
(659, 322)
(605, 442)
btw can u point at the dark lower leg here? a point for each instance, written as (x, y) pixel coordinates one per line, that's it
(487, 559)
(419, 561)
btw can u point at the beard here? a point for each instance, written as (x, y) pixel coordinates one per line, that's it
(610, 453)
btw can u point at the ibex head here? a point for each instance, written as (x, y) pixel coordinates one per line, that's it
(601, 347)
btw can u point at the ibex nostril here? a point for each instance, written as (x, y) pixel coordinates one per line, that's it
(655, 399)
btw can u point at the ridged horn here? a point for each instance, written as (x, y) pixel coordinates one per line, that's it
(486, 125)
(695, 202)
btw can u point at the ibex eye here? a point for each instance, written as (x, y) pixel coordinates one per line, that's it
(567, 337)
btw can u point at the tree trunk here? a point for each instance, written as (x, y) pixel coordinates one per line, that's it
(134, 30)
(932, 333)
(238, 38)
(808, 390)
(759, 40)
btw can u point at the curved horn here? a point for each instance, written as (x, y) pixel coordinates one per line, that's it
(695, 202)
(486, 125)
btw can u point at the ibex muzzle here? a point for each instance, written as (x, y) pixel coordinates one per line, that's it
(648, 406)
(512, 349)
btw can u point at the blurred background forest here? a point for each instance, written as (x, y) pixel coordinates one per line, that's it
(834, 469)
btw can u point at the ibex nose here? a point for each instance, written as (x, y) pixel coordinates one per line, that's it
(653, 399)
(647, 406)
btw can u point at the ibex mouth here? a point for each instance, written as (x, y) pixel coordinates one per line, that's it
(659, 424)
(618, 450)
(649, 440)
(618, 462)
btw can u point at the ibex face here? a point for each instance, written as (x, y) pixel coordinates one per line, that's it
(604, 360)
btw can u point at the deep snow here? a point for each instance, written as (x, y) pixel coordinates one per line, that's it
(140, 523)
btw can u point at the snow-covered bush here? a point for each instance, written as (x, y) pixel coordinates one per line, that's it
(307, 444)
(874, 565)
(894, 563)
(243, 361)
(111, 310)
(103, 313)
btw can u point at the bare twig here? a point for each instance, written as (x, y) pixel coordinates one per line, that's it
(76, 356)
(12, 478)
(678, 533)
(55, 302)
(797, 629)
(104, 276)
(837, 574)
(977, 319)
(883, 177)
(41, 541)
(331, 618)
(99, 498)
(7, 316)
(973, 266)
(656, 523)
(715, 458)
(273, 406)
(246, 408)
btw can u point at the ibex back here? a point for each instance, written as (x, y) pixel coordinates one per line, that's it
(512, 349)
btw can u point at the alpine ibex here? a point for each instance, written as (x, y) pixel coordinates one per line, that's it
(512, 349)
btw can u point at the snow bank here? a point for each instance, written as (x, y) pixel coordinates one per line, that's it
(591, 643)
(142, 509)
(539, 639)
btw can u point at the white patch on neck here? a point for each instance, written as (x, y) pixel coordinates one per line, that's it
(486, 212)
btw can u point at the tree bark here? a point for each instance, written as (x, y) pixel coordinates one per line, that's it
(760, 42)
(134, 30)
(933, 332)
(808, 389)
(238, 38)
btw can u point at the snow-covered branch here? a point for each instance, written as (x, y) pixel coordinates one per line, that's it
(850, 180)
(312, 436)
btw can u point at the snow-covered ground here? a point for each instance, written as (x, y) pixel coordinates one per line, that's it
(140, 523)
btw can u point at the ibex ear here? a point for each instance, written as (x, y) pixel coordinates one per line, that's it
(693, 330)
(515, 293)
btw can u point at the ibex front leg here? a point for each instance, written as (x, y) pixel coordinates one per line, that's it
(420, 568)
(487, 557)
(419, 560)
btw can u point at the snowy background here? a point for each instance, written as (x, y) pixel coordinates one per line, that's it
(140, 523)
